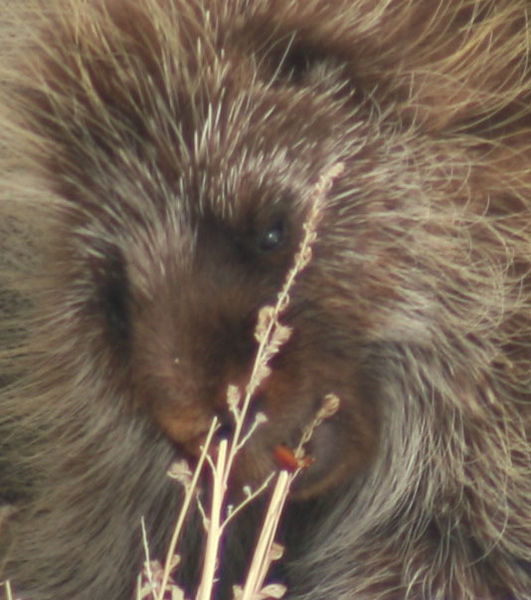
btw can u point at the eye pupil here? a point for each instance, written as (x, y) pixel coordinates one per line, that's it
(273, 237)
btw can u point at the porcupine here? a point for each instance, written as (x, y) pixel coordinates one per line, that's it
(158, 158)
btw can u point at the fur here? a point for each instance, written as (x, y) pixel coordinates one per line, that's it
(158, 159)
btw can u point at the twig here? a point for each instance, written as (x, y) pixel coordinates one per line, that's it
(270, 335)
(262, 554)
(9, 593)
(248, 499)
(149, 573)
(215, 528)
(189, 494)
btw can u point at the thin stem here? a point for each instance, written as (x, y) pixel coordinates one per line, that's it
(262, 552)
(149, 573)
(215, 528)
(189, 494)
(247, 500)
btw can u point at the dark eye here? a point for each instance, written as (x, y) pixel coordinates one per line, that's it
(273, 237)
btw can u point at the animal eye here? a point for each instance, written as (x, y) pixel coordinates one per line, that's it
(273, 237)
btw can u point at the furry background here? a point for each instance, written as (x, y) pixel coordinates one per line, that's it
(157, 158)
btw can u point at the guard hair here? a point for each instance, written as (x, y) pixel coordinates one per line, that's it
(157, 163)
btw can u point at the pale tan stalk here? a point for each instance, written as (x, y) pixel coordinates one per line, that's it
(270, 335)
(215, 526)
(188, 495)
(261, 560)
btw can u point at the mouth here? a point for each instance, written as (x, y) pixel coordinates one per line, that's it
(272, 448)
(336, 443)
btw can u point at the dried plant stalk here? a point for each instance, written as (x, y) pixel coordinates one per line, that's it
(261, 560)
(216, 524)
(263, 554)
(9, 593)
(189, 494)
(271, 335)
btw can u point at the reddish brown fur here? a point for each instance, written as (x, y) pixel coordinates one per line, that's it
(156, 148)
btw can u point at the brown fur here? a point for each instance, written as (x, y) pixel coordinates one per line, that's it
(162, 156)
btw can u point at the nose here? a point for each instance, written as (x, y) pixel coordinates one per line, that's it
(187, 427)
(194, 445)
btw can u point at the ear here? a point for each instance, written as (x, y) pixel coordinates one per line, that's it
(407, 58)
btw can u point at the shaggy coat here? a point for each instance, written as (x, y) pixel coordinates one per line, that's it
(157, 162)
